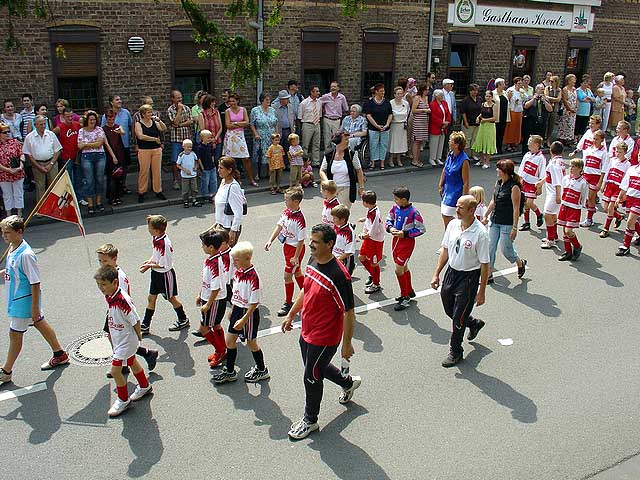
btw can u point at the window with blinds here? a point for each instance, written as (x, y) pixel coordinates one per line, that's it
(190, 72)
(378, 59)
(319, 57)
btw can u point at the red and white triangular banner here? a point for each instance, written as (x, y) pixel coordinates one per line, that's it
(61, 203)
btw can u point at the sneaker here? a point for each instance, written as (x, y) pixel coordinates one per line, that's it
(255, 375)
(525, 226)
(412, 294)
(566, 256)
(118, 407)
(636, 242)
(402, 304)
(619, 220)
(215, 360)
(55, 362)
(197, 204)
(196, 333)
(4, 376)
(473, 331)
(369, 281)
(302, 428)
(179, 325)
(347, 393)
(176, 186)
(485, 166)
(539, 220)
(160, 196)
(140, 392)
(576, 253)
(372, 288)
(152, 359)
(587, 223)
(225, 376)
(83, 202)
(547, 244)
(144, 329)
(522, 269)
(284, 309)
(185, 204)
(622, 251)
(478, 164)
(604, 233)
(451, 360)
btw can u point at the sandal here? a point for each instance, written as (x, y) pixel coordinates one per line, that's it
(254, 183)
(91, 210)
(419, 164)
(273, 192)
(100, 207)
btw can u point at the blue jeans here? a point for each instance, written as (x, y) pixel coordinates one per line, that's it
(77, 178)
(378, 144)
(209, 183)
(93, 167)
(176, 148)
(501, 233)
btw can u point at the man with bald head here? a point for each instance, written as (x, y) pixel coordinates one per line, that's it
(42, 149)
(465, 246)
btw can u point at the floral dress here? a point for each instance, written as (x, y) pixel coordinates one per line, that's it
(265, 124)
(567, 123)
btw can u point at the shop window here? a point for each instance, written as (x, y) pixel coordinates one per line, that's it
(461, 59)
(190, 73)
(378, 60)
(523, 55)
(76, 66)
(577, 56)
(319, 58)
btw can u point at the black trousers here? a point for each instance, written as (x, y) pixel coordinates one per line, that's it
(458, 295)
(317, 367)
(284, 141)
(500, 127)
(530, 126)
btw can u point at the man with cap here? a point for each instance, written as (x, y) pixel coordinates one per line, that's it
(450, 98)
(334, 107)
(286, 115)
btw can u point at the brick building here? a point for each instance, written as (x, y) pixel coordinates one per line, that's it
(84, 55)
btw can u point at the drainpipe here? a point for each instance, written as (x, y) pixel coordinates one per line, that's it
(260, 81)
(432, 14)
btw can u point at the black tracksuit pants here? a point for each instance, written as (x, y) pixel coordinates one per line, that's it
(458, 293)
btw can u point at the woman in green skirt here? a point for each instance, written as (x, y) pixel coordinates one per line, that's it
(485, 143)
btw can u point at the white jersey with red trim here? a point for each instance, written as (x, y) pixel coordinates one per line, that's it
(596, 160)
(246, 287)
(123, 281)
(162, 253)
(121, 318)
(327, 206)
(616, 171)
(345, 237)
(613, 147)
(631, 182)
(225, 264)
(294, 227)
(554, 174)
(212, 279)
(532, 167)
(587, 141)
(574, 191)
(373, 225)
(481, 211)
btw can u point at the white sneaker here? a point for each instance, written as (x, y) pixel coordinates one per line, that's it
(432, 162)
(485, 166)
(140, 392)
(439, 162)
(302, 428)
(4, 377)
(83, 202)
(587, 223)
(547, 244)
(118, 407)
(347, 394)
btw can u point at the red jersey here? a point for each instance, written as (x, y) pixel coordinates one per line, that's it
(69, 140)
(294, 227)
(327, 206)
(344, 240)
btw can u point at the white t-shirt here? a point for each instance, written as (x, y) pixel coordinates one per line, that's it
(373, 225)
(212, 279)
(532, 167)
(467, 249)
(613, 147)
(481, 211)
(121, 318)
(227, 270)
(327, 206)
(596, 160)
(555, 172)
(631, 182)
(232, 193)
(162, 253)
(246, 288)
(294, 227)
(344, 240)
(188, 161)
(340, 171)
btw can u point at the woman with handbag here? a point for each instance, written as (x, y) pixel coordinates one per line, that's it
(11, 171)
(343, 167)
(229, 203)
(398, 131)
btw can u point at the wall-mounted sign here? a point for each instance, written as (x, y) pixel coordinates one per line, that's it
(467, 13)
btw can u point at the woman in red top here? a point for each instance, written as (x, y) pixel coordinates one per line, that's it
(11, 171)
(438, 123)
(209, 119)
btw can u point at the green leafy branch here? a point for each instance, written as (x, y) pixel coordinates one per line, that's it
(42, 9)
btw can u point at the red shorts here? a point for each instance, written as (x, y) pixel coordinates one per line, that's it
(371, 250)
(118, 363)
(632, 205)
(401, 249)
(611, 191)
(529, 190)
(289, 252)
(569, 217)
(592, 179)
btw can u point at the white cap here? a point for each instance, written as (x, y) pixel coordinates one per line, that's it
(447, 81)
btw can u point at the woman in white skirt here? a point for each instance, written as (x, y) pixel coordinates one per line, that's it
(235, 145)
(398, 132)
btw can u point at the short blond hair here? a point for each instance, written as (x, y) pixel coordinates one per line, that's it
(205, 132)
(537, 139)
(622, 146)
(329, 186)
(187, 143)
(341, 212)
(293, 136)
(145, 108)
(242, 249)
(159, 222)
(108, 249)
(577, 162)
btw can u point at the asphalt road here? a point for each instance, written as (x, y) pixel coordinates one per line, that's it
(560, 403)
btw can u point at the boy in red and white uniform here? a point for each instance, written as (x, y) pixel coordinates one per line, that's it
(595, 122)
(163, 276)
(212, 297)
(345, 247)
(622, 131)
(532, 172)
(616, 171)
(244, 318)
(372, 237)
(329, 191)
(575, 190)
(596, 162)
(630, 193)
(227, 270)
(291, 231)
(553, 194)
(124, 330)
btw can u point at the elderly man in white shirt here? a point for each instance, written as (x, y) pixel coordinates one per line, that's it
(42, 148)
(450, 98)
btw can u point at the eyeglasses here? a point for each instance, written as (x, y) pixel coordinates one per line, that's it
(5, 131)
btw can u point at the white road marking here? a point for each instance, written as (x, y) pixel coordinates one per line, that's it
(36, 387)
(384, 303)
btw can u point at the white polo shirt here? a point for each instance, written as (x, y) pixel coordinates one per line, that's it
(469, 248)
(41, 148)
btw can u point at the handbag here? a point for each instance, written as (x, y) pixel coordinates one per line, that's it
(227, 206)
(15, 162)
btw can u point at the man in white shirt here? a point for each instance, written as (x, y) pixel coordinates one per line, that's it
(309, 113)
(450, 98)
(465, 246)
(42, 148)
(335, 107)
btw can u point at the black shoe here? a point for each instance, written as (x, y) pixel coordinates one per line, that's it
(196, 204)
(566, 256)
(179, 325)
(576, 253)
(451, 360)
(100, 208)
(284, 309)
(152, 359)
(196, 333)
(539, 220)
(369, 281)
(622, 251)
(402, 304)
(636, 242)
(144, 329)
(473, 331)
(619, 221)
(412, 294)
(525, 226)
(91, 210)
(186, 205)
(160, 196)
(522, 269)
(490, 279)
(140, 198)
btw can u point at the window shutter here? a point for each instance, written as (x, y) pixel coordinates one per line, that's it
(378, 57)
(81, 60)
(320, 55)
(186, 57)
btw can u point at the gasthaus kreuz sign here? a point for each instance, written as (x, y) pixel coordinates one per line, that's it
(467, 13)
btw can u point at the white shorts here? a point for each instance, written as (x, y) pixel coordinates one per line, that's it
(447, 211)
(21, 325)
(550, 206)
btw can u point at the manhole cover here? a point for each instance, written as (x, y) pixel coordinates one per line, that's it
(92, 350)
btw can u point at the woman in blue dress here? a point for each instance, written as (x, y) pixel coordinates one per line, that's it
(454, 180)
(262, 121)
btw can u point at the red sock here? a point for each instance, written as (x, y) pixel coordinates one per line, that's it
(590, 212)
(401, 283)
(375, 275)
(211, 338)
(574, 241)
(408, 286)
(567, 244)
(367, 266)
(617, 214)
(288, 290)
(526, 215)
(628, 235)
(607, 224)
(142, 379)
(555, 231)
(550, 233)
(123, 393)
(219, 343)
(300, 281)
(537, 211)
